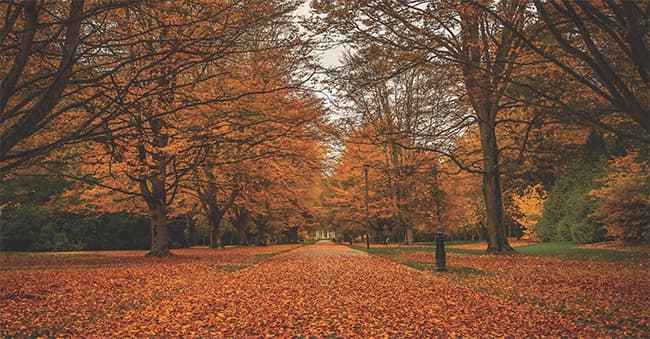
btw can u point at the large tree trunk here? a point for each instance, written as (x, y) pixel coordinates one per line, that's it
(292, 235)
(485, 88)
(158, 222)
(260, 225)
(240, 221)
(156, 195)
(497, 237)
(243, 237)
(409, 239)
(215, 230)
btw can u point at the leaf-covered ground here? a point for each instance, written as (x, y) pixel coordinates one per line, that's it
(324, 290)
(611, 297)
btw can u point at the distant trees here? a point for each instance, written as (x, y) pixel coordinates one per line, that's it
(463, 43)
(153, 104)
(526, 85)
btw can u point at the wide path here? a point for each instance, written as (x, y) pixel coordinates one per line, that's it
(328, 290)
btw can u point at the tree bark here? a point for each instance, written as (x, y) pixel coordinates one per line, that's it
(484, 91)
(156, 195)
(158, 222)
(497, 237)
(260, 226)
(215, 230)
(29, 123)
(240, 221)
(243, 237)
(156, 201)
(409, 238)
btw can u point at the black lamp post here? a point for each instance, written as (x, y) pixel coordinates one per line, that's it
(365, 169)
(441, 260)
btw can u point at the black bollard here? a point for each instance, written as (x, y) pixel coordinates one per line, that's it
(441, 260)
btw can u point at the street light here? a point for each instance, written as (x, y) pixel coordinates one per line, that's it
(365, 169)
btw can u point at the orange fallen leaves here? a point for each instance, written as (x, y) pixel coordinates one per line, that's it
(612, 297)
(67, 294)
(314, 291)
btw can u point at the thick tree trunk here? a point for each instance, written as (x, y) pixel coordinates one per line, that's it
(497, 237)
(156, 198)
(485, 89)
(243, 237)
(409, 239)
(158, 222)
(240, 221)
(215, 231)
(292, 235)
(261, 232)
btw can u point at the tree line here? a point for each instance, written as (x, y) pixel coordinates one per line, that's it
(163, 109)
(490, 118)
(493, 118)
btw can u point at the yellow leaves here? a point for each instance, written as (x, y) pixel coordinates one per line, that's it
(529, 207)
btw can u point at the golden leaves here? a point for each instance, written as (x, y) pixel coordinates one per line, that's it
(319, 291)
(608, 296)
(315, 291)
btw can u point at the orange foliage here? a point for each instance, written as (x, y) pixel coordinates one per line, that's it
(529, 207)
(71, 295)
(624, 199)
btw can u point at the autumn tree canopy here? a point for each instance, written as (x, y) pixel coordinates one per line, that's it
(479, 116)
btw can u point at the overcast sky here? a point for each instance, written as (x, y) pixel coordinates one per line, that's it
(330, 58)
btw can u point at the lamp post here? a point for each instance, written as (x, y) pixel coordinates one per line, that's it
(365, 169)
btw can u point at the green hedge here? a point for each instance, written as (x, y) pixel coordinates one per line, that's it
(36, 229)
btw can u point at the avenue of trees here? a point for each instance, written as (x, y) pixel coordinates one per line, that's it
(160, 109)
(493, 118)
(489, 118)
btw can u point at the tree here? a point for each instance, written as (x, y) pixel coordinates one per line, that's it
(568, 208)
(529, 209)
(464, 39)
(623, 202)
(603, 47)
(196, 57)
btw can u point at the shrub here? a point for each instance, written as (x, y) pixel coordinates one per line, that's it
(568, 208)
(623, 202)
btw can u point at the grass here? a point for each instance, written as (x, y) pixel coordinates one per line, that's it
(232, 267)
(569, 250)
(458, 242)
(392, 253)
(558, 249)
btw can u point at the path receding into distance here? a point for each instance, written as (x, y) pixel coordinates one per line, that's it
(328, 290)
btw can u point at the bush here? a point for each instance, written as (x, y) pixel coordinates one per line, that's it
(20, 228)
(37, 229)
(568, 208)
(623, 202)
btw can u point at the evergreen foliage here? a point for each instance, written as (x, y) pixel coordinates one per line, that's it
(568, 209)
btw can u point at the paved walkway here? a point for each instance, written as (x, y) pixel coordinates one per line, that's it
(328, 290)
